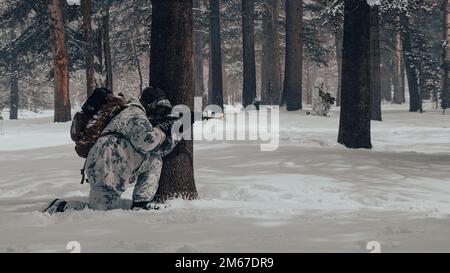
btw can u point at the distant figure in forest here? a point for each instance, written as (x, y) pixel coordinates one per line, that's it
(129, 150)
(322, 104)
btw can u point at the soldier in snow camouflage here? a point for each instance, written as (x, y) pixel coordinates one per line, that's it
(322, 104)
(130, 151)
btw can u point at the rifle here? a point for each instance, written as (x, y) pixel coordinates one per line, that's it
(195, 116)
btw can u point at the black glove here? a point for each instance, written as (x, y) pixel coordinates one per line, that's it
(166, 127)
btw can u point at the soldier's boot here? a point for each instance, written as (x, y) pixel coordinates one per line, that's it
(59, 205)
(55, 206)
(144, 206)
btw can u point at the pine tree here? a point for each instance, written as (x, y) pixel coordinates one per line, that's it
(292, 88)
(271, 87)
(61, 62)
(89, 50)
(354, 127)
(248, 33)
(172, 69)
(198, 51)
(216, 91)
(375, 62)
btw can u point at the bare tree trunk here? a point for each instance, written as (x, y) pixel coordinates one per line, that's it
(107, 51)
(270, 63)
(445, 85)
(89, 50)
(14, 89)
(172, 69)
(248, 33)
(354, 127)
(198, 52)
(61, 62)
(375, 62)
(216, 54)
(14, 98)
(338, 44)
(414, 92)
(396, 77)
(292, 85)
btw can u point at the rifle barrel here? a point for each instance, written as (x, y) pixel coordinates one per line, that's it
(196, 116)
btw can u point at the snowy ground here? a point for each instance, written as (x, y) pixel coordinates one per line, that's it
(309, 195)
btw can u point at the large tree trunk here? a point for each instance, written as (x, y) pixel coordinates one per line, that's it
(338, 44)
(445, 85)
(270, 63)
(375, 65)
(61, 62)
(354, 128)
(248, 33)
(396, 77)
(107, 51)
(198, 52)
(216, 54)
(415, 103)
(89, 49)
(172, 69)
(14, 98)
(292, 86)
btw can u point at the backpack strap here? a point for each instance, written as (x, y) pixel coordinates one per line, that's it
(83, 177)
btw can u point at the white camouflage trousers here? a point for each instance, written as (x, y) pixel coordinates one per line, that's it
(320, 108)
(104, 197)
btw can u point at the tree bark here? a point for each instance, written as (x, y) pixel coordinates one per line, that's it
(61, 62)
(14, 88)
(338, 44)
(415, 103)
(292, 86)
(403, 80)
(198, 52)
(172, 69)
(396, 77)
(354, 127)
(271, 88)
(14, 98)
(107, 51)
(216, 54)
(248, 33)
(445, 66)
(375, 62)
(89, 50)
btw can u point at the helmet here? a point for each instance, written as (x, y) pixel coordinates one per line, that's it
(155, 101)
